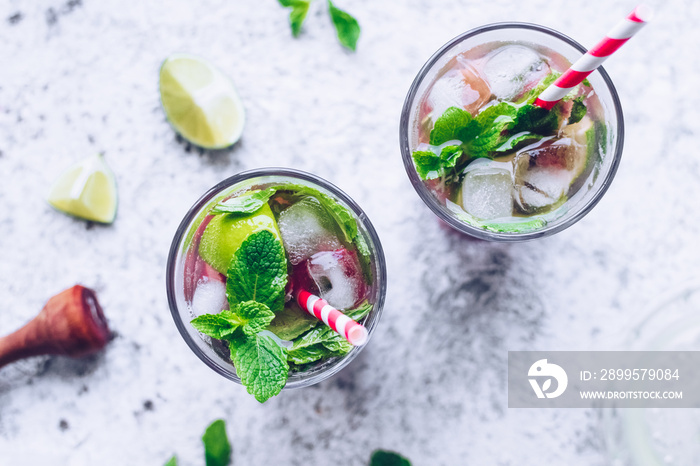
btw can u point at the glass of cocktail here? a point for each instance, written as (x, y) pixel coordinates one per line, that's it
(487, 161)
(245, 256)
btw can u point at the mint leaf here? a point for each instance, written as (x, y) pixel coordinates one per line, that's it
(492, 123)
(312, 337)
(347, 27)
(261, 364)
(501, 112)
(533, 93)
(428, 165)
(254, 316)
(387, 458)
(490, 137)
(307, 354)
(309, 347)
(245, 204)
(455, 123)
(217, 449)
(578, 111)
(172, 461)
(364, 257)
(258, 272)
(536, 120)
(337, 344)
(515, 227)
(298, 14)
(518, 140)
(360, 311)
(214, 325)
(251, 316)
(291, 322)
(449, 156)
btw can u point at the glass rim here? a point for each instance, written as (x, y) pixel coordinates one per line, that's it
(378, 252)
(433, 203)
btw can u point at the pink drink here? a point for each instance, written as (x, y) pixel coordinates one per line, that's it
(242, 253)
(495, 165)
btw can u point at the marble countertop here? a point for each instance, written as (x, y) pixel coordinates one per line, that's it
(80, 76)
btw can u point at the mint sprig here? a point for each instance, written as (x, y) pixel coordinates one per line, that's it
(172, 461)
(255, 285)
(258, 271)
(244, 204)
(217, 449)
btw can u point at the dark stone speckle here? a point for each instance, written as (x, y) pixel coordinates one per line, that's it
(69, 368)
(63, 425)
(16, 18)
(148, 405)
(71, 5)
(51, 17)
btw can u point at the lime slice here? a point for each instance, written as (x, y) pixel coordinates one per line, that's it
(200, 102)
(86, 190)
(225, 234)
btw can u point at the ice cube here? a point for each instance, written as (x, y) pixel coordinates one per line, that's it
(338, 277)
(487, 190)
(209, 297)
(306, 229)
(514, 69)
(544, 174)
(462, 88)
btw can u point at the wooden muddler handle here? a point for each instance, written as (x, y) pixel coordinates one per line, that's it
(71, 324)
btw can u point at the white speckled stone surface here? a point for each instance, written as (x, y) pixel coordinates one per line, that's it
(81, 76)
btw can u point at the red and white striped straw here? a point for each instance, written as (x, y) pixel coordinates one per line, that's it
(585, 65)
(355, 333)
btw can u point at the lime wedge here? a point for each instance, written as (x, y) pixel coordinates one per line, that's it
(86, 190)
(200, 102)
